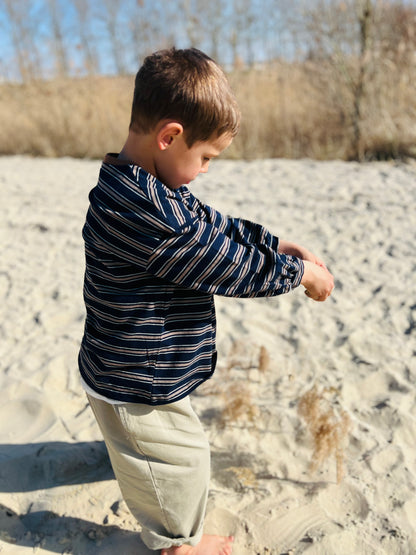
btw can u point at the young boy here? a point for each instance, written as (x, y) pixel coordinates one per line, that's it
(155, 256)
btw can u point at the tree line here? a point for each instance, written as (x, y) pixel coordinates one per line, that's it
(47, 38)
(44, 38)
(316, 78)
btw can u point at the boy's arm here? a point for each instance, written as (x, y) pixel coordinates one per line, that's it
(234, 257)
(202, 257)
(316, 278)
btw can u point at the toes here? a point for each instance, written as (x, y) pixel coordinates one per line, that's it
(228, 548)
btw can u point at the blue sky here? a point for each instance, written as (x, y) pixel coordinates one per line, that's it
(162, 22)
(142, 26)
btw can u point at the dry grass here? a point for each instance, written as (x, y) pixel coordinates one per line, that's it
(328, 426)
(83, 118)
(289, 110)
(307, 110)
(239, 406)
(245, 477)
(264, 359)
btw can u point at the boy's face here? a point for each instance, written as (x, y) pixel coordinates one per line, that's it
(180, 164)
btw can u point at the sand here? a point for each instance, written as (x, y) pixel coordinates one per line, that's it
(57, 492)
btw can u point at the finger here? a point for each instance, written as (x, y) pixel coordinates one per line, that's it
(310, 295)
(318, 298)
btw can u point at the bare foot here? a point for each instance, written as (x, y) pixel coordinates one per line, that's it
(209, 545)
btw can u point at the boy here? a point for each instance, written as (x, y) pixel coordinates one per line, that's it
(155, 256)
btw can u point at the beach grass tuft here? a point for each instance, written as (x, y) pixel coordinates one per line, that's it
(328, 425)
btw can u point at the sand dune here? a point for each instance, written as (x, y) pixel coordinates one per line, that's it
(57, 492)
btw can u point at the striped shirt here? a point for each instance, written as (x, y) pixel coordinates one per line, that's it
(155, 258)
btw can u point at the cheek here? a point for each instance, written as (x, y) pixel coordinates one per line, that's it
(194, 168)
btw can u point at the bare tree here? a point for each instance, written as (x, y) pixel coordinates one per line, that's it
(339, 39)
(141, 29)
(83, 22)
(241, 39)
(58, 42)
(203, 24)
(214, 23)
(111, 12)
(364, 16)
(152, 25)
(192, 22)
(270, 27)
(23, 31)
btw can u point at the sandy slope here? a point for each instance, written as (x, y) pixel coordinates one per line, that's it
(56, 489)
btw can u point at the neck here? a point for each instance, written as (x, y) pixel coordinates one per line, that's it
(138, 150)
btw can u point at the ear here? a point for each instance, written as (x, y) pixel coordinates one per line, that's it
(168, 133)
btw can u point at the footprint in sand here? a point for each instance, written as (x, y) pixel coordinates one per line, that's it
(346, 542)
(23, 420)
(386, 460)
(344, 503)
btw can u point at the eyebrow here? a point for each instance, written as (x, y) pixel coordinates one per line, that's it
(212, 155)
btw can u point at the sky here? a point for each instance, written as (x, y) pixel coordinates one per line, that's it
(140, 26)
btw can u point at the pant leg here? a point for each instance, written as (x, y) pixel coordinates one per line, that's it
(161, 459)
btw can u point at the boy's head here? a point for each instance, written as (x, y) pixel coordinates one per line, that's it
(186, 86)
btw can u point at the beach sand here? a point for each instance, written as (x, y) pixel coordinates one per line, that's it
(57, 492)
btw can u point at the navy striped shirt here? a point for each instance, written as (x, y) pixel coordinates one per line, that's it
(154, 259)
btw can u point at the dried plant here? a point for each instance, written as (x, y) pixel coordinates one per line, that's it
(245, 476)
(264, 359)
(238, 404)
(329, 427)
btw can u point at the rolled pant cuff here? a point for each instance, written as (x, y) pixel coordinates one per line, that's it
(156, 542)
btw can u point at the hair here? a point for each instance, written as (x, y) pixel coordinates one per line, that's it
(186, 86)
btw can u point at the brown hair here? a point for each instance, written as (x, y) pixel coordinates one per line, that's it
(189, 87)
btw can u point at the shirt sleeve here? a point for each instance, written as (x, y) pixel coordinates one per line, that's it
(241, 230)
(226, 261)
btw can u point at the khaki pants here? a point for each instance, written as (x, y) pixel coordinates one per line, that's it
(160, 456)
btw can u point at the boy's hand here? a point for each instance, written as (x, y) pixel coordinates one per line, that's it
(317, 280)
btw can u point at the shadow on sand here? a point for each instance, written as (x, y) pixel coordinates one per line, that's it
(39, 466)
(36, 466)
(63, 534)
